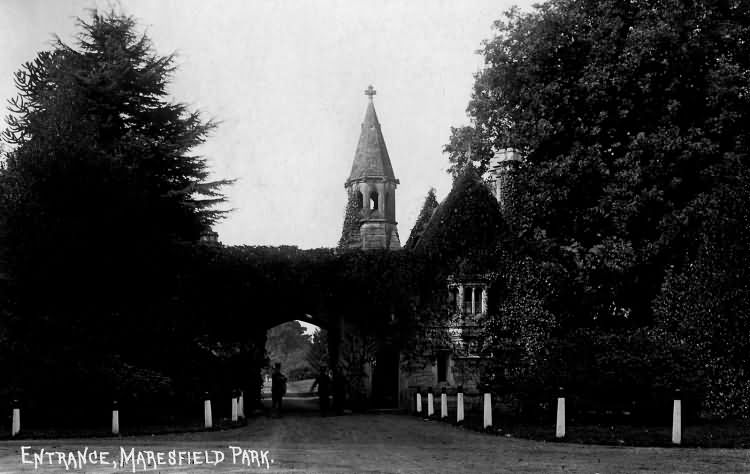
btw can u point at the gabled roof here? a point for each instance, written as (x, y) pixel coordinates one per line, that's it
(371, 158)
(467, 224)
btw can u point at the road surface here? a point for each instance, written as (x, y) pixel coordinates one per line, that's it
(302, 442)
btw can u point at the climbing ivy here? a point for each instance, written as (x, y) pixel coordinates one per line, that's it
(428, 209)
(352, 221)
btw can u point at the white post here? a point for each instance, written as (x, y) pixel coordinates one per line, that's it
(443, 405)
(16, 426)
(419, 402)
(677, 420)
(207, 421)
(487, 410)
(115, 418)
(560, 430)
(235, 408)
(460, 405)
(430, 403)
(241, 405)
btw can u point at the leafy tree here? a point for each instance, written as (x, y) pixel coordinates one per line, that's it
(628, 114)
(467, 145)
(318, 356)
(703, 309)
(289, 345)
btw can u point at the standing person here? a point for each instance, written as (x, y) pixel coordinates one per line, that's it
(323, 382)
(278, 387)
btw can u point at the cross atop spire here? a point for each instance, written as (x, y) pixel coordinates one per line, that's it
(371, 157)
(370, 91)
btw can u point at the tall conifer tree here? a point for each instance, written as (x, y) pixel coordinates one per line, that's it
(99, 187)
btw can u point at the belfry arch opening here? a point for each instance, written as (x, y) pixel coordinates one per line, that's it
(360, 200)
(374, 201)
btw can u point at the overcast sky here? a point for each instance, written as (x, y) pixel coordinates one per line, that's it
(286, 81)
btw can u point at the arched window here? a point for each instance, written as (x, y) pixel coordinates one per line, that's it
(360, 200)
(374, 200)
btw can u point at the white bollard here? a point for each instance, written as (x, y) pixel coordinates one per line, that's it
(430, 403)
(234, 408)
(419, 402)
(487, 410)
(207, 419)
(560, 429)
(115, 418)
(241, 405)
(443, 405)
(460, 405)
(677, 422)
(16, 426)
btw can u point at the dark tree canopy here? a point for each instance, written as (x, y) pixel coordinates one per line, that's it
(629, 115)
(100, 157)
(103, 108)
(627, 276)
(100, 192)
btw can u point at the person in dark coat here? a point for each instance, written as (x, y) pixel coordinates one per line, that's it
(278, 387)
(323, 382)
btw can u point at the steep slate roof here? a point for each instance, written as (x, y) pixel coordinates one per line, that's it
(371, 158)
(468, 221)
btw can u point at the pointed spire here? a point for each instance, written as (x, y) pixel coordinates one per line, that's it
(371, 158)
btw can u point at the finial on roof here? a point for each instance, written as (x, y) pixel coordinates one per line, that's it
(370, 91)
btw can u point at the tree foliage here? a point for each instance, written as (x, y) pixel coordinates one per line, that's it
(624, 272)
(101, 192)
(629, 114)
(318, 356)
(703, 309)
(467, 146)
(288, 345)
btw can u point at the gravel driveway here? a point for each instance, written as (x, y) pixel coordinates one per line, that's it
(304, 442)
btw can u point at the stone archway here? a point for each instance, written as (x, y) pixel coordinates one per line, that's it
(365, 367)
(334, 328)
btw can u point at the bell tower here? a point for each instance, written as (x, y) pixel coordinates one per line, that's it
(372, 187)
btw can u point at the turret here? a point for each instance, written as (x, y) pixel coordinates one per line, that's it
(372, 184)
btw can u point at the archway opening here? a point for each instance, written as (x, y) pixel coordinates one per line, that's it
(374, 201)
(299, 351)
(360, 200)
